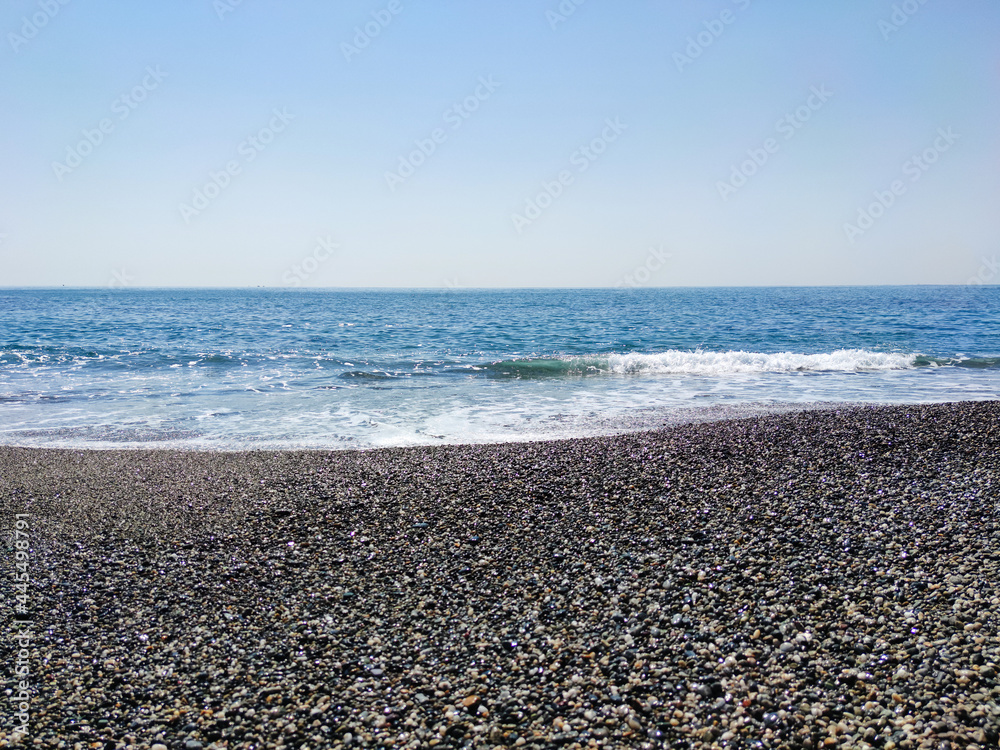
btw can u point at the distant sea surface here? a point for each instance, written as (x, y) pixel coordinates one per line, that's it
(233, 369)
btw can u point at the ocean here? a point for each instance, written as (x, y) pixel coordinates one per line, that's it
(233, 369)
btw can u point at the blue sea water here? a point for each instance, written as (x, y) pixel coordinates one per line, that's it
(248, 368)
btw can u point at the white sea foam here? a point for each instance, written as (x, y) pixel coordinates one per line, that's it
(723, 363)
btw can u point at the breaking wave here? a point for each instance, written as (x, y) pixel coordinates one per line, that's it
(715, 363)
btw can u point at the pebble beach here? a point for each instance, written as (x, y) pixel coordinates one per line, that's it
(815, 579)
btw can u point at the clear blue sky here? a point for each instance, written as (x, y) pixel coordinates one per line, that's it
(201, 80)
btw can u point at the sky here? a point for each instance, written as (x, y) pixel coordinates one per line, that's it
(529, 143)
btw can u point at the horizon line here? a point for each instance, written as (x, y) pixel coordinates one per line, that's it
(478, 289)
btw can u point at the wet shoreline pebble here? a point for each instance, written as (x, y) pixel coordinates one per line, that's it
(818, 579)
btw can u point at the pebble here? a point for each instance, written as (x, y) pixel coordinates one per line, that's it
(803, 580)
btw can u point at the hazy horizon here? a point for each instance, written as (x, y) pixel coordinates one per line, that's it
(306, 288)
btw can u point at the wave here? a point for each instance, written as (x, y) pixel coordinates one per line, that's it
(669, 362)
(975, 363)
(698, 362)
(363, 375)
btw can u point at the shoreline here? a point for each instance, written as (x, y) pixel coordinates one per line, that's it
(647, 419)
(780, 578)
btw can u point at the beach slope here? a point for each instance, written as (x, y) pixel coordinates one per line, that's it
(825, 577)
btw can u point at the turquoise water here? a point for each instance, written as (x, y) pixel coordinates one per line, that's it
(336, 369)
